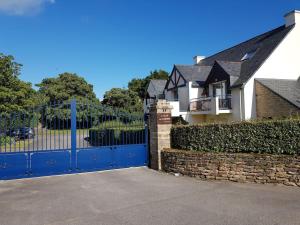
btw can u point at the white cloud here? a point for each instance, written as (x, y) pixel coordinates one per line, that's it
(23, 7)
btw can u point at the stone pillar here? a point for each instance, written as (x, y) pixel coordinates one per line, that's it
(160, 124)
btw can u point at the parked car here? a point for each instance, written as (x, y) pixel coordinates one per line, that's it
(22, 133)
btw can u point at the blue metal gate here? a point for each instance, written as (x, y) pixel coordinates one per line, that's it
(70, 137)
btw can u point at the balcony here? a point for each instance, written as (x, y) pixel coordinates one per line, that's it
(211, 105)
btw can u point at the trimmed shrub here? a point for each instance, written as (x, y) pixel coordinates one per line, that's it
(101, 137)
(132, 136)
(111, 136)
(117, 133)
(274, 137)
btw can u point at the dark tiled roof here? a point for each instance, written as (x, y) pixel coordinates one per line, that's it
(158, 87)
(194, 72)
(287, 89)
(233, 69)
(263, 45)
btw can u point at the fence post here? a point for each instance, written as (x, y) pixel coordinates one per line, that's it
(73, 135)
(160, 124)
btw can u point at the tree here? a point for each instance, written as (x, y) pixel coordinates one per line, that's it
(65, 87)
(15, 95)
(123, 98)
(140, 85)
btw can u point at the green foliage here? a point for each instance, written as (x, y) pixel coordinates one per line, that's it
(5, 140)
(116, 132)
(66, 87)
(123, 98)
(15, 95)
(140, 85)
(18, 119)
(131, 99)
(274, 137)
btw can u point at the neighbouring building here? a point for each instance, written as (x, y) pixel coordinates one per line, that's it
(155, 91)
(257, 78)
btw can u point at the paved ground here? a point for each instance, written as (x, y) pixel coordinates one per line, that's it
(141, 196)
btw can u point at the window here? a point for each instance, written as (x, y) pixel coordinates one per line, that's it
(248, 55)
(219, 90)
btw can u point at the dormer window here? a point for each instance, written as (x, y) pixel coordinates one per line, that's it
(248, 55)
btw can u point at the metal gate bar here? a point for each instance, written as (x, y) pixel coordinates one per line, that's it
(101, 139)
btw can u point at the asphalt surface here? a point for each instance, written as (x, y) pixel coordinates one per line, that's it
(139, 196)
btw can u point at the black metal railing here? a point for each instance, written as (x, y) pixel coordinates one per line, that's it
(225, 103)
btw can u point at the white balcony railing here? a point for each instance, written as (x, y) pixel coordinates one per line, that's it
(200, 104)
(211, 105)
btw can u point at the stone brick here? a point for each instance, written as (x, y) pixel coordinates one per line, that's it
(237, 167)
(159, 133)
(269, 104)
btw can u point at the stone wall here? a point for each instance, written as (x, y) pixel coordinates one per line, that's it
(269, 104)
(238, 167)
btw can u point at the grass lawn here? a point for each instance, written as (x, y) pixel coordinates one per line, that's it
(16, 145)
(59, 132)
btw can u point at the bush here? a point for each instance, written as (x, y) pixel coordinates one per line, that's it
(101, 137)
(5, 140)
(117, 133)
(274, 137)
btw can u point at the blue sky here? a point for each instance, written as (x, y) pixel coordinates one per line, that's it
(109, 42)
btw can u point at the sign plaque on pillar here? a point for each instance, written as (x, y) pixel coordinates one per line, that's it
(164, 118)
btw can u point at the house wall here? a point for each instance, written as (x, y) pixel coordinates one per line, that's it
(236, 104)
(194, 119)
(169, 95)
(282, 63)
(269, 104)
(207, 118)
(183, 98)
(194, 92)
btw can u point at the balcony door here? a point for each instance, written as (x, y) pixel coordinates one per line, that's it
(219, 90)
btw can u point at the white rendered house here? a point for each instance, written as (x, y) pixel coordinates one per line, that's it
(221, 87)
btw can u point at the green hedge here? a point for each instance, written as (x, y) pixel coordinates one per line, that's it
(274, 137)
(116, 136)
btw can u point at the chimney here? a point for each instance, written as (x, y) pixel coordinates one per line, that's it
(198, 58)
(292, 18)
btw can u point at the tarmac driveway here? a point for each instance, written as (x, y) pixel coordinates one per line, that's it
(141, 196)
